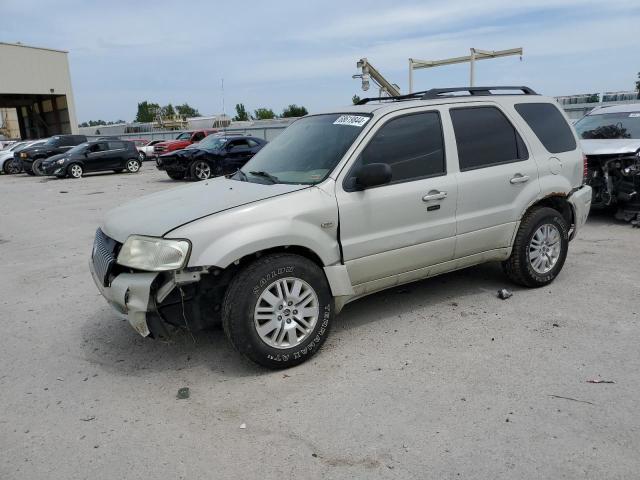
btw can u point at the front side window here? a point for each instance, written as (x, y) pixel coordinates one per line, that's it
(411, 145)
(485, 137)
(307, 151)
(549, 125)
(184, 136)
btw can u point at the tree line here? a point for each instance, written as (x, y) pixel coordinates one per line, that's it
(262, 113)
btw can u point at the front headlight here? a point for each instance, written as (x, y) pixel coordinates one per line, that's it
(23, 155)
(61, 161)
(154, 254)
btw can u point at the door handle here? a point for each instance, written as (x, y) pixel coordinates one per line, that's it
(434, 195)
(518, 178)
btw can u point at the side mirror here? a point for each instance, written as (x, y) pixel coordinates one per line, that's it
(372, 175)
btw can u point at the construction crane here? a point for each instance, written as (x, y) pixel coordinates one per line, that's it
(369, 72)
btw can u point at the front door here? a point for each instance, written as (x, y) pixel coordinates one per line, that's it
(237, 154)
(408, 224)
(498, 178)
(96, 157)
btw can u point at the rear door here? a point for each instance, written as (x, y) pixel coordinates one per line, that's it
(116, 155)
(408, 224)
(498, 177)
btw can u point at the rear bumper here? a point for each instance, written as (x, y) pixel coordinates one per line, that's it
(580, 201)
(129, 294)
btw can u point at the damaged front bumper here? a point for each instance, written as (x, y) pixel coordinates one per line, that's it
(580, 201)
(129, 294)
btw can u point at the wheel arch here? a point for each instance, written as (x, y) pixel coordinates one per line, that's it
(558, 201)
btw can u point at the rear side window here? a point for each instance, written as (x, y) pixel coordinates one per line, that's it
(549, 125)
(485, 137)
(115, 145)
(411, 145)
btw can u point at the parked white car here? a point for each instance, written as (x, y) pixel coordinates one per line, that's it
(610, 138)
(146, 151)
(7, 165)
(346, 203)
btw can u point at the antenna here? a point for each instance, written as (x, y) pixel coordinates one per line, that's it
(224, 114)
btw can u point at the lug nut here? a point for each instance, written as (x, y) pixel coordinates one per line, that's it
(280, 307)
(279, 317)
(288, 320)
(290, 303)
(295, 312)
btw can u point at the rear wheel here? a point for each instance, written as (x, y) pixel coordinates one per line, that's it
(540, 248)
(201, 170)
(133, 165)
(278, 310)
(75, 170)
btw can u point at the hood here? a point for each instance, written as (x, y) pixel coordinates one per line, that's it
(157, 214)
(53, 158)
(610, 146)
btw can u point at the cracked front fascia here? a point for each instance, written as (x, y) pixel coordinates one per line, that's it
(136, 304)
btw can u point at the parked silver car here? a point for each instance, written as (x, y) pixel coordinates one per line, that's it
(346, 203)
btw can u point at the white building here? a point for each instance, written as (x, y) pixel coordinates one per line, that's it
(36, 83)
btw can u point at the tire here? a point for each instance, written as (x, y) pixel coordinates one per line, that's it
(175, 175)
(75, 170)
(278, 347)
(36, 167)
(541, 230)
(133, 165)
(10, 167)
(201, 170)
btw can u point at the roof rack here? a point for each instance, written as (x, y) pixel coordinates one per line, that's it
(440, 92)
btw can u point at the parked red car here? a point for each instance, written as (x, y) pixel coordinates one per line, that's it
(182, 141)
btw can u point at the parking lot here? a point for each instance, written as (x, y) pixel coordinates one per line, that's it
(437, 379)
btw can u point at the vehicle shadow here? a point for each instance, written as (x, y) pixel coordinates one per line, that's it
(110, 343)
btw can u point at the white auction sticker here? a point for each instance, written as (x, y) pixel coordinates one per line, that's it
(353, 120)
(634, 115)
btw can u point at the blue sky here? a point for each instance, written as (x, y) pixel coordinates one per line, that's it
(271, 54)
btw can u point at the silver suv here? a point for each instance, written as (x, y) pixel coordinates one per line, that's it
(346, 203)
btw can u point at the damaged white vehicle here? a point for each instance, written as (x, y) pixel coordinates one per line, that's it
(346, 203)
(610, 138)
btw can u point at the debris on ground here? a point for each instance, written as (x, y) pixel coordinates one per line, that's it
(183, 393)
(243, 426)
(503, 294)
(597, 380)
(88, 419)
(572, 399)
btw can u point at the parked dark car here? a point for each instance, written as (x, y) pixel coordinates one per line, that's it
(94, 156)
(32, 157)
(212, 157)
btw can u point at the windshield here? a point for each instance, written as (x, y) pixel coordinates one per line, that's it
(53, 141)
(211, 143)
(184, 136)
(78, 148)
(609, 125)
(307, 151)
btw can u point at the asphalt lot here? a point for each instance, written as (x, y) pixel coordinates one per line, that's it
(437, 379)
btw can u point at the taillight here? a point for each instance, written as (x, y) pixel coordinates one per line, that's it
(585, 168)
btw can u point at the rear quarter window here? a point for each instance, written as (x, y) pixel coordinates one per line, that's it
(549, 125)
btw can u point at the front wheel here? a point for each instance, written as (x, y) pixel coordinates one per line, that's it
(37, 167)
(75, 170)
(540, 248)
(10, 167)
(201, 170)
(142, 156)
(278, 310)
(133, 165)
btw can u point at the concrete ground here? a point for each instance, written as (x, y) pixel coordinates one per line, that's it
(438, 379)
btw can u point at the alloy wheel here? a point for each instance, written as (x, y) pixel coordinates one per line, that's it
(544, 248)
(133, 166)
(202, 170)
(286, 312)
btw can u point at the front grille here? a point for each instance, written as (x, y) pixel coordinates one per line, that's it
(103, 256)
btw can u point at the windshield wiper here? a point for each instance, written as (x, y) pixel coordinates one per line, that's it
(265, 175)
(243, 176)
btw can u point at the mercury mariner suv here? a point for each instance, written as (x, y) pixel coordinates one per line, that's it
(346, 203)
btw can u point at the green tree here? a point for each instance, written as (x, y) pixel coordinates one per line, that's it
(264, 114)
(241, 113)
(185, 110)
(355, 99)
(147, 112)
(168, 111)
(294, 110)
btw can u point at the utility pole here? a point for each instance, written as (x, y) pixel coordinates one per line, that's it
(369, 72)
(476, 54)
